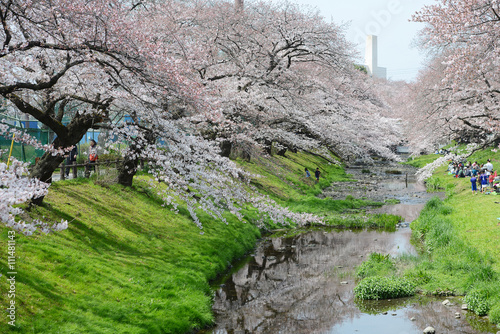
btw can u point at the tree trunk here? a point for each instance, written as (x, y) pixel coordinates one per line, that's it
(48, 163)
(126, 171)
(128, 168)
(225, 148)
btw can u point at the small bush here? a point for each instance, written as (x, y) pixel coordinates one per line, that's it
(433, 203)
(433, 184)
(495, 314)
(477, 301)
(377, 287)
(441, 235)
(481, 273)
(392, 201)
(377, 265)
(384, 220)
(418, 276)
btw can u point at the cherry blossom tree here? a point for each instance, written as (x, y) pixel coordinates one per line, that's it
(16, 189)
(286, 79)
(457, 96)
(191, 75)
(59, 64)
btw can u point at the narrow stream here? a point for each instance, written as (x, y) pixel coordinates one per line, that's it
(304, 283)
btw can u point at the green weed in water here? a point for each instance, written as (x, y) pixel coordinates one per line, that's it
(381, 287)
(376, 265)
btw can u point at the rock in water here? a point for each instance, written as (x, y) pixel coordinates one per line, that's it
(429, 330)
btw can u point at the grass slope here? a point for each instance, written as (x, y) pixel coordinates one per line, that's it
(125, 265)
(284, 181)
(128, 265)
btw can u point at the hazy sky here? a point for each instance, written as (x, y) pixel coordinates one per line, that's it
(388, 19)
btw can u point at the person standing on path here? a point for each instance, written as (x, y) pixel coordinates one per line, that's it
(484, 181)
(307, 173)
(317, 173)
(489, 166)
(473, 181)
(93, 154)
(70, 159)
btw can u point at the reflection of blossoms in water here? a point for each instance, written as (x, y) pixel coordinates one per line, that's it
(304, 284)
(293, 285)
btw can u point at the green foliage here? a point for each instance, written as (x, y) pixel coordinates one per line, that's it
(361, 220)
(477, 301)
(379, 287)
(392, 201)
(434, 183)
(418, 275)
(422, 160)
(455, 266)
(495, 314)
(376, 265)
(317, 205)
(384, 220)
(361, 68)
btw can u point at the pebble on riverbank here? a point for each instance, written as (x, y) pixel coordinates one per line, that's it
(429, 330)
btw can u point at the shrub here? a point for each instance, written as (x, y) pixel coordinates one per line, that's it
(477, 301)
(433, 203)
(378, 287)
(418, 276)
(495, 314)
(376, 265)
(433, 184)
(385, 220)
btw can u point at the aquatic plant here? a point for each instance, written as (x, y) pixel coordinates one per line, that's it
(379, 287)
(477, 301)
(377, 265)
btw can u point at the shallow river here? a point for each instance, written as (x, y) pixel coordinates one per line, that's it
(304, 283)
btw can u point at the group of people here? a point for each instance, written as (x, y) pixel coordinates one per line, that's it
(481, 176)
(317, 173)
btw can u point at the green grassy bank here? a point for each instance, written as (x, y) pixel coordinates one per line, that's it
(128, 265)
(459, 239)
(125, 265)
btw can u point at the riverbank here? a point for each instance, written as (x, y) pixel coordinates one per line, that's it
(304, 282)
(128, 265)
(462, 237)
(459, 240)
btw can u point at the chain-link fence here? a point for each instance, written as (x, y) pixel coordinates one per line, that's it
(21, 151)
(28, 153)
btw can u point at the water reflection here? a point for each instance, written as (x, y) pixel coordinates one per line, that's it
(298, 285)
(304, 284)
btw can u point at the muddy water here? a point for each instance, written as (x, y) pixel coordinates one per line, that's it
(304, 283)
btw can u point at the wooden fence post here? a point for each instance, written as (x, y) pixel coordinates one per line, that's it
(62, 171)
(75, 170)
(87, 169)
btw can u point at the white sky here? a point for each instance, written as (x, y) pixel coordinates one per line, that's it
(387, 19)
